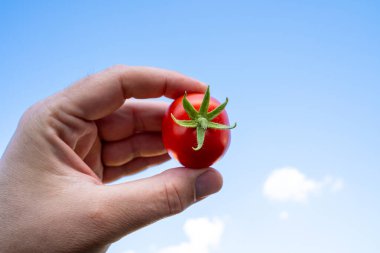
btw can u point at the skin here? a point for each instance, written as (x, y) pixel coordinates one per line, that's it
(52, 175)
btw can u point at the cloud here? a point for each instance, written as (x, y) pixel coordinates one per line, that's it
(203, 235)
(288, 184)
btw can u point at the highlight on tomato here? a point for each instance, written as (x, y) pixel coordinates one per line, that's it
(196, 130)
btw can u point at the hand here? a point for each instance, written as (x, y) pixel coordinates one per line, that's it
(52, 174)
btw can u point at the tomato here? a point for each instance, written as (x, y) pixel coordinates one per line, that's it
(195, 130)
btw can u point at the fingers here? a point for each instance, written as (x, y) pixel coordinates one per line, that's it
(138, 203)
(139, 145)
(135, 166)
(132, 117)
(100, 94)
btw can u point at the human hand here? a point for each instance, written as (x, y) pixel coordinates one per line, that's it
(52, 174)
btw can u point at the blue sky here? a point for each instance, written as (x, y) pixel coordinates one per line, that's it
(304, 86)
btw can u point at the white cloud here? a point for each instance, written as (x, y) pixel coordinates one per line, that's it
(289, 184)
(284, 215)
(203, 235)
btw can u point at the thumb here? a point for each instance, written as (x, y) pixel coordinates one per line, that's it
(142, 202)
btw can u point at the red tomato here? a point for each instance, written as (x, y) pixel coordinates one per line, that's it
(180, 131)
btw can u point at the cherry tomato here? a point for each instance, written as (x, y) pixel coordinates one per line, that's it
(196, 130)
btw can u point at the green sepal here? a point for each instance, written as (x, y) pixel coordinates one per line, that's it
(211, 115)
(189, 108)
(220, 126)
(185, 123)
(205, 103)
(201, 133)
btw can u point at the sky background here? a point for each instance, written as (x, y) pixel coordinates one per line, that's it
(303, 77)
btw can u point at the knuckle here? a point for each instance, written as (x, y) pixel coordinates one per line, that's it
(35, 116)
(134, 147)
(174, 201)
(31, 112)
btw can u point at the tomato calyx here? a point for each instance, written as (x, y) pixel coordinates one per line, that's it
(202, 119)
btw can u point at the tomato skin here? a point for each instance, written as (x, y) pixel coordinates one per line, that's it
(179, 140)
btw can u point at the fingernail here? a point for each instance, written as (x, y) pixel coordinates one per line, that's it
(207, 184)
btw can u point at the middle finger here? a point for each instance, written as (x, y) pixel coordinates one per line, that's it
(121, 152)
(134, 116)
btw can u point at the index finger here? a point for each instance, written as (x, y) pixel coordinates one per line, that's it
(100, 94)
